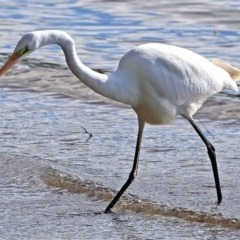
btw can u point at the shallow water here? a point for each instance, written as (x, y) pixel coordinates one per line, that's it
(55, 177)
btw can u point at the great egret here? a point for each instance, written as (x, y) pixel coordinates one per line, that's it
(158, 81)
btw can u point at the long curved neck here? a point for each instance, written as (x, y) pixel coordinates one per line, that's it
(98, 82)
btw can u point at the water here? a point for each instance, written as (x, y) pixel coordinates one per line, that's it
(55, 177)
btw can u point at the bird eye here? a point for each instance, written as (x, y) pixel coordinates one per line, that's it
(26, 49)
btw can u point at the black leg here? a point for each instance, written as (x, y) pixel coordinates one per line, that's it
(212, 156)
(133, 173)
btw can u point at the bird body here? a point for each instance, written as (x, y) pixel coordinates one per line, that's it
(164, 81)
(159, 81)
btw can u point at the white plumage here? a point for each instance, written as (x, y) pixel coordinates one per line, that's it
(165, 81)
(159, 81)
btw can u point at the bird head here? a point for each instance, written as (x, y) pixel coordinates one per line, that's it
(26, 45)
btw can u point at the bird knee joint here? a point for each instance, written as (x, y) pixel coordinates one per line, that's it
(132, 175)
(212, 149)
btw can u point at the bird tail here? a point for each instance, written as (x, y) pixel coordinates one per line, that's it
(233, 71)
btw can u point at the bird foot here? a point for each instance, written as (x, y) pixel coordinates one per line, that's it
(109, 211)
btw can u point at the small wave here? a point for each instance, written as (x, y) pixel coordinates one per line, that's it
(55, 178)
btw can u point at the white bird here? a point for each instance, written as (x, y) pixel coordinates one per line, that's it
(160, 82)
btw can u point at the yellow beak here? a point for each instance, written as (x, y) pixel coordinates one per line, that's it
(10, 62)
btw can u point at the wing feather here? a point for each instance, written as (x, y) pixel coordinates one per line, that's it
(233, 71)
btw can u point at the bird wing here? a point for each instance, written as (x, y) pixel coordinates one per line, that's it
(181, 75)
(178, 75)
